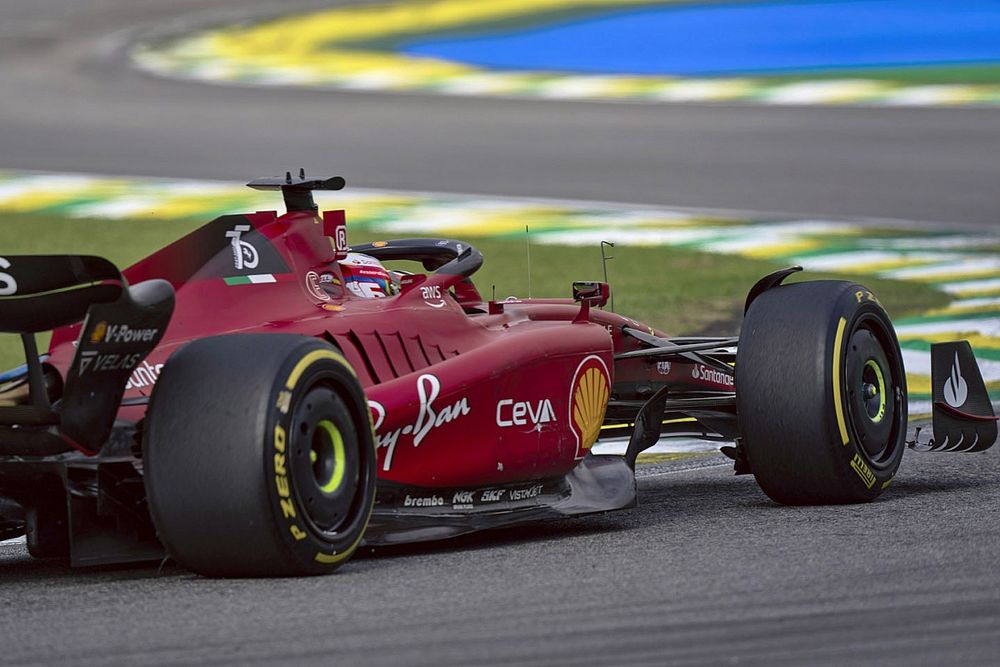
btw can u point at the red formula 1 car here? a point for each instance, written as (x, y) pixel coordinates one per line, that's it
(258, 398)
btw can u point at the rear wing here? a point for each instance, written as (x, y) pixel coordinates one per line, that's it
(42, 292)
(121, 326)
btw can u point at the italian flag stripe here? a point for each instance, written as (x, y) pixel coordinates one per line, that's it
(252, 279)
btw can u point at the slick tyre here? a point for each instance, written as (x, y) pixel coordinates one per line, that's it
(820, 393)
(259, 457)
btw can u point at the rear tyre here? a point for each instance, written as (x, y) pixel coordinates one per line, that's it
(11, 519)
(820, 393)
(259, 457)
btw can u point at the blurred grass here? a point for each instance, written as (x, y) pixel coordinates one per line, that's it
(679, 291)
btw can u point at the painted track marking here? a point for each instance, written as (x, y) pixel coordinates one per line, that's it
(343, 49)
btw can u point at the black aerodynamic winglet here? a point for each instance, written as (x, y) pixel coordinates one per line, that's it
(964, 420)
(297, 191)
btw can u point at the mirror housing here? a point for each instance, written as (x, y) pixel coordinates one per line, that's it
(595, 293)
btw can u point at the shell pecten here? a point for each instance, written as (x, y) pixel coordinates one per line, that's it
(590, 400)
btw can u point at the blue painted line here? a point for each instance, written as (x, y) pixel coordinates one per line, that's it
(742, 38)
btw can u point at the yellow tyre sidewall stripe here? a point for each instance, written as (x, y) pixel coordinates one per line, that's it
(838, 406)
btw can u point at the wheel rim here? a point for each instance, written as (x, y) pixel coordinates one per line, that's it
(325, 461)
(874, 390)
(327, 456)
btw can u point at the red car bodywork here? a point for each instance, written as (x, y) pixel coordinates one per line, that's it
(461, 392)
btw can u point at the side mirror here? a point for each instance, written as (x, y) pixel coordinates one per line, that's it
(596, 293)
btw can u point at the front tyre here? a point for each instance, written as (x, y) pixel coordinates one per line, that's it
(820, 393)
(259, 457)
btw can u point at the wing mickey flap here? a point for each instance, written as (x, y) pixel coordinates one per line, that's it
(963, 416)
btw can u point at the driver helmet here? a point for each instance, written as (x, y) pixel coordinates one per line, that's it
(364, 276)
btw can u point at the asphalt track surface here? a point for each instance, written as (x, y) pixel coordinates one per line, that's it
(706, 570)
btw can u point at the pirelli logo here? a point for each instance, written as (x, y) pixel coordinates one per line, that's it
(864, 472)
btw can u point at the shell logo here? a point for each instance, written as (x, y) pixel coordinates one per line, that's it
(588, 400)
(97, 335)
